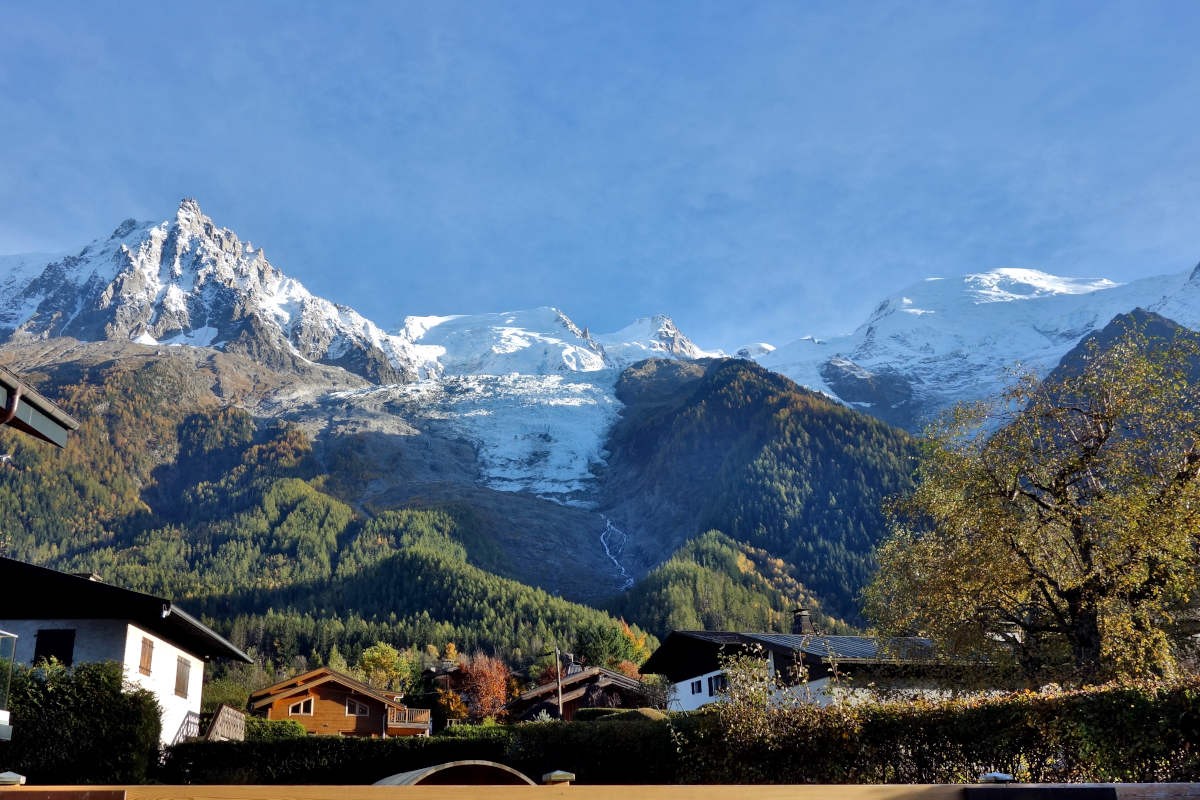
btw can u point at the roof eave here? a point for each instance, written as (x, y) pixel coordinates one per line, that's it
(270, 694)
(221, 646)
(34, 413)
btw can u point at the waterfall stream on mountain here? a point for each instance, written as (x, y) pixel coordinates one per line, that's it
(613, 540)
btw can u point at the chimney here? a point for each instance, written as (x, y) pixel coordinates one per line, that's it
(802, 622)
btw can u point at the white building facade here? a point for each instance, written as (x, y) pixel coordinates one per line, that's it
(804, 667)
(77, 620)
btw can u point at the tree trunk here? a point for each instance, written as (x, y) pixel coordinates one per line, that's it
(1085, 642)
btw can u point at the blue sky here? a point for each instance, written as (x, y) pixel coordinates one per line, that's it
(757, 170)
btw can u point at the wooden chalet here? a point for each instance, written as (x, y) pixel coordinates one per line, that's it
(591, 687)
(328, 702)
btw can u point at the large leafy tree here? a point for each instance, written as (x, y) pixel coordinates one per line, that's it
(385, 667)
(1059, 525)
(487, 680)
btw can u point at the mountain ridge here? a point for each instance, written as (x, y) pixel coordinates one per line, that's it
(569, 461)
(943, 341)
(186, 280)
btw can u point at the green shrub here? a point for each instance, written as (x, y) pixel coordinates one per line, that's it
(261, 729)
(80, 725)
(322, 759)
(640, 714)
(606, 751)
(597, 752)
(590, 714)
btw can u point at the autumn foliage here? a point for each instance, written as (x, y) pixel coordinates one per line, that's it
(486, 685)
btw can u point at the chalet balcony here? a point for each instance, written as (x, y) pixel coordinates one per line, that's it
(228, 725)
(188, 729)
(409, 720)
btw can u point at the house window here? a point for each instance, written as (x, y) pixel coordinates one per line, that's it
(354, 708)
(716, 684)
(56, 643)
(147, 656)
(697, 686)
(302, 708)
(183, 673)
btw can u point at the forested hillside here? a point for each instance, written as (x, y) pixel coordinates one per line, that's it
(163, 491)
(716, 583)
(727, 445)
(258, 522)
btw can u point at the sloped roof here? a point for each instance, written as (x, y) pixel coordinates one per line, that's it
(31, 412)
(33, 592)
(684, 654)
(597, 675)
(848, 648)
(313, 678)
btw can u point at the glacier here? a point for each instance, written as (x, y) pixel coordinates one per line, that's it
(530, 389)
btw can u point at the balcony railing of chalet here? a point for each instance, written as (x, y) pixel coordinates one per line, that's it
(408, 716)
(189, 729)
(229, 725)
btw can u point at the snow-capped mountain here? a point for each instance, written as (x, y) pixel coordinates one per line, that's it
(530, 390)
(943, 341)
(187, 281)
(650, 337)
(540, 341)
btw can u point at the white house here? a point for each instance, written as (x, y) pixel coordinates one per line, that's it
(82, 619)
(809, 666)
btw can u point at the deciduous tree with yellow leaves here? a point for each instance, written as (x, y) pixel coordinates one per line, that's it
(1059, 526)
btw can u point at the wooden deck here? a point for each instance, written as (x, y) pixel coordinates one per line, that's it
(408, 716)
(1127, 791)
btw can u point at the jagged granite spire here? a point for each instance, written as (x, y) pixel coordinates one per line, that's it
(188, 281)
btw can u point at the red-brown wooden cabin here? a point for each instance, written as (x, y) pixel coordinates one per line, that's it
(328, 702)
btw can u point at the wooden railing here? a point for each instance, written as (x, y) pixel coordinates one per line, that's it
(229, 725)
(408, 716)
(188, 729)
(1124, 791)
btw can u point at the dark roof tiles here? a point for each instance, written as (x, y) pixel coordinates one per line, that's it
(848, 648)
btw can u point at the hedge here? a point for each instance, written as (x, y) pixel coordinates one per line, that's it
(80, 725)
(1140, 733)
(1134, 733)
(321, 759)
(597, 752)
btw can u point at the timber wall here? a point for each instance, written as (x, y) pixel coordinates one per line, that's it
(329, 712)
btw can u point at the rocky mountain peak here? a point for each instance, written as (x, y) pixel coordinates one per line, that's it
(189, 207)
(124, 229)
(650, 337)
(188, 281)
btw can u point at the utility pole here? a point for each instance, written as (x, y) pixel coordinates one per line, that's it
(558, 677)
